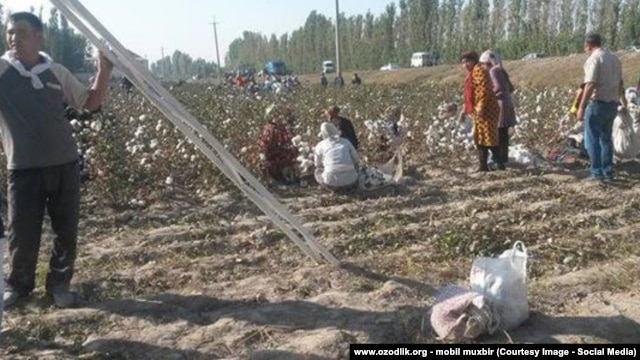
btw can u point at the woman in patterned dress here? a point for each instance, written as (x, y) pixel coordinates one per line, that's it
(279, 153)
(481, 104)
(502, 88)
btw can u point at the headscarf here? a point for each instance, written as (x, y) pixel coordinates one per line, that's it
(281, 112)
(491, 57)
(329, 131)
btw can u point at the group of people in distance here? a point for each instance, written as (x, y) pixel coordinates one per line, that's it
(338, 82)
(337, 164)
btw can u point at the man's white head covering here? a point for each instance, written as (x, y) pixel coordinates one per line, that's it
(490, 57)
(329, 131)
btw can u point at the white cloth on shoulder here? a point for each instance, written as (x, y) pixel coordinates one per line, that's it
(10, 57)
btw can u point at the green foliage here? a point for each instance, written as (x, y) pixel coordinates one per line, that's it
(181, 66)
(449, 27)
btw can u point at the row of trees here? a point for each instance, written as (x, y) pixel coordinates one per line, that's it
(513, 27)
(181, 66)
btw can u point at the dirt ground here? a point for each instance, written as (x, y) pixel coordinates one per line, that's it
(190, 279)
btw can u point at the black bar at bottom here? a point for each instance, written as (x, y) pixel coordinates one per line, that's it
(488, 351)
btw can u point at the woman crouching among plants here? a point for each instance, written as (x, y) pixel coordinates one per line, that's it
(277, 152)
(338, 166)
(336, 161)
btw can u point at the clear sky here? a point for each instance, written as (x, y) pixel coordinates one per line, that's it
(148, 26)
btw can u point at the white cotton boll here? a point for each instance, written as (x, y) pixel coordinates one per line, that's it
(262, 157)
(538, 109)
(296, 140)
(96, 125)
(193, 158)
(243, 150)
(227, 122)
(74, 123)
(153, 144)
(169, 180)
(143, 117)
(158, 127)
(139, 131)
(132, 119)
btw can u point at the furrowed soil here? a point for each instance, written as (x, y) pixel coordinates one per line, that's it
(212, 278)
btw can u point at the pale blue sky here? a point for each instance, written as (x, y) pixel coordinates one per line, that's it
(146, 26)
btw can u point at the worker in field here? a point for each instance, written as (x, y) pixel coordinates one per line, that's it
(481, 104)
(347, 131)
(276, 147)
(42, 157)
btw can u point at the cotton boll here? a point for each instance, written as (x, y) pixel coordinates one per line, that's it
(153, 144)
(169, 180)
(296, 140)
(143, 117)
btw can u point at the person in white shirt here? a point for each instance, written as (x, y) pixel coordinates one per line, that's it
(336, 160)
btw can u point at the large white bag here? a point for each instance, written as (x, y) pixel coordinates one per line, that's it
(625, 134)
(503, 280)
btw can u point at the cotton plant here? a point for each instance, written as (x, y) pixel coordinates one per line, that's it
(446, 133)
(305, 155)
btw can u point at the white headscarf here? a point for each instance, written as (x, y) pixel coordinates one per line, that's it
(490, 57)
(329, 131)
(10, 57)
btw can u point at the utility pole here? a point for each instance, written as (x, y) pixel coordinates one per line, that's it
(162, 64)
(338, 64)
(215, 35)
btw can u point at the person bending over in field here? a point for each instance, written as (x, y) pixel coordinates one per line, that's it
(336, 160)
(343, 124)
(277, 150)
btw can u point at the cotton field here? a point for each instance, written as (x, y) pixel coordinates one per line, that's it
(131, 150)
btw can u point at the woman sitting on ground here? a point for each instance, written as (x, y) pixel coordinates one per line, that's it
(278, 152)
(336, 160)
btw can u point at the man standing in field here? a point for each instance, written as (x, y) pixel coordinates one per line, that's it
(42, 156)
(599, 105)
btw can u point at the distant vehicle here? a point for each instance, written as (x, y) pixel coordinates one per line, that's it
(532, 56)
(421, 59)
(276, 67)
(390, 66)
(633, 48)
(328, 67)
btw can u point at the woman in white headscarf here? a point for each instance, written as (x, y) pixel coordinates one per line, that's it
(336, 160)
